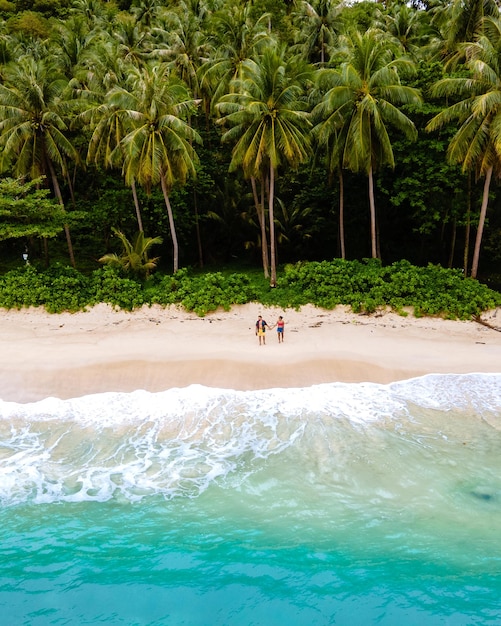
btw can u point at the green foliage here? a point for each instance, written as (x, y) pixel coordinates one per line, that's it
(365, 286)
(134, 256)
(107, 285)
(205, 292)
(29, 23)
(7, 7)
(26, 211)
(88, 58)
(57, 289)
(49, 8)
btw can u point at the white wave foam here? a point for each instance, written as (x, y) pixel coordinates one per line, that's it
(177, 442)
(478, 392)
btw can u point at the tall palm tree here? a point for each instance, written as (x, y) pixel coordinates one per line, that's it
(457, 22)
(409, 27)
(95, 12)
(268, 120)
(318, 26)
(133, 39)
(183, 43)
(159, 147)
(477, 143)
(109, 126)
(70, 43)
(146, 11)
(331, 142)
(465, 19)
(34, 124)
(236, 37)
(361, 105)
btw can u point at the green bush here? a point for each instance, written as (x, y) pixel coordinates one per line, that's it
(58, 289)
(205, 292)
(365, 286)
(109, 286)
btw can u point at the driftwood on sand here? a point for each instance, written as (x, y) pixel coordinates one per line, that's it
(479, 320)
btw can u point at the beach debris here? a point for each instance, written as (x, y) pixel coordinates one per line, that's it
(479, 320)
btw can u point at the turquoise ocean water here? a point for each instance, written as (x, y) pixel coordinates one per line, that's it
(334, 504)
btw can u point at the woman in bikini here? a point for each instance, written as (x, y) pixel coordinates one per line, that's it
(280, 329)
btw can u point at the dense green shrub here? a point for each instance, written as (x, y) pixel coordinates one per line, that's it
(57, 289)
(364, 286)
(110, 286)
(367, 286)
(205, 292)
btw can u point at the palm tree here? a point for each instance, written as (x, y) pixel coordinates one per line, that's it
(109, 126)
(102, 70)
(409, 27)
(331, 141)
(159, 146)
(95, 12)
(33, 125)
(465, 19)
(459, 21)
(184, 44)
(319, 24)
(134, 257)
(71, 42)
(146, 11)
(360, 106)
(133, 39)
(268, 122)
(477, 143)
(236, 37)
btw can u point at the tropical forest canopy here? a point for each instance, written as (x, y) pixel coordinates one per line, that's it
(254, 133)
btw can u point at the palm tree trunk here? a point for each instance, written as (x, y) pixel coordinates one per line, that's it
(262, 224)
(453, 244)
(59, 196)
(481, 221)
(273, 268)
(466, 253)
(195, 206)
(341, 214)
(175, 248)
(372, 206)
(70, 187)
(197, 228)
(136, 205)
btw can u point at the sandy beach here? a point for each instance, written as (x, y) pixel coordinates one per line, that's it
(70, 355)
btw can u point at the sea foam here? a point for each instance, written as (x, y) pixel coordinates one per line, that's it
(180, 441)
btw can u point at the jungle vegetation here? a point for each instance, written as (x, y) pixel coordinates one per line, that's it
(259, 135)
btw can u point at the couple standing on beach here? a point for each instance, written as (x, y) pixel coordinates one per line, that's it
(261, 327)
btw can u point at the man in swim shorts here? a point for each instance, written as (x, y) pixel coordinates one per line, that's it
(261, 327)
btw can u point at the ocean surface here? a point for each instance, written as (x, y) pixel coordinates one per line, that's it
(352, 504)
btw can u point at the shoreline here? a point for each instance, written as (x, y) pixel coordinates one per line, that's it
(101, 350)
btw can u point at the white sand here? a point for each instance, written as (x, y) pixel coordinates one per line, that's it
(70, 355)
